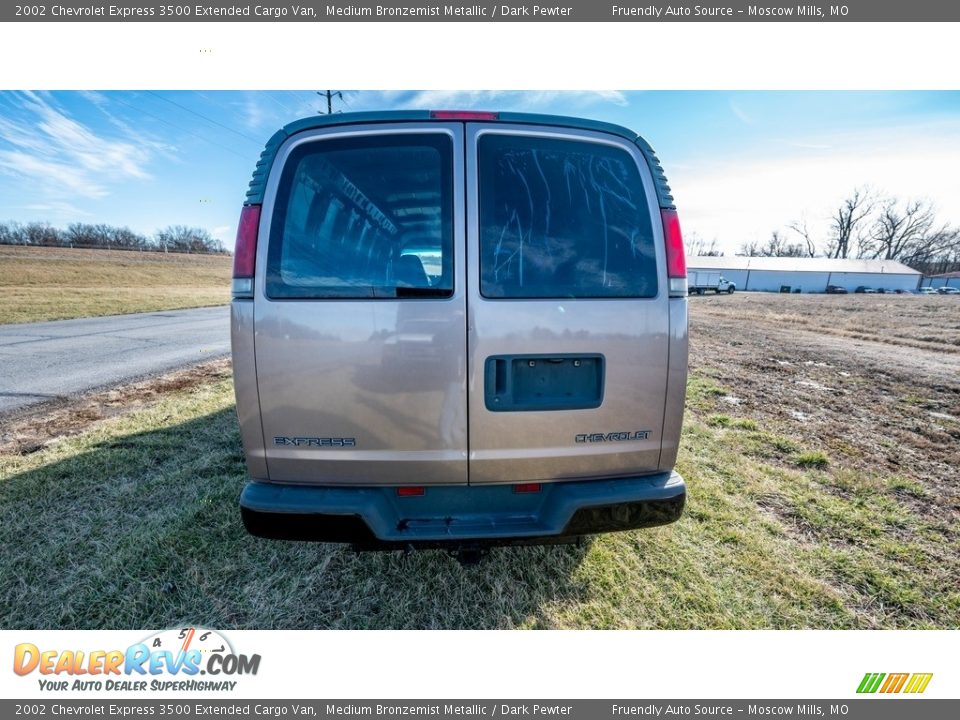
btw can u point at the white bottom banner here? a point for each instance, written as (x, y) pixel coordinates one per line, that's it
(229, 665)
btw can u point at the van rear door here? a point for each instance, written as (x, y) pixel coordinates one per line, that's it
(568, 315)
(360, 307)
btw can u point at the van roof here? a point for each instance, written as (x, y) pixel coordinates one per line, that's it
(258, 182)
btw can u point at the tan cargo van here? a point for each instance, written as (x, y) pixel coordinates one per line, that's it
(458, 329)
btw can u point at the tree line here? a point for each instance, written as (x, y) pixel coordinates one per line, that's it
(174, 238)
(867, 224)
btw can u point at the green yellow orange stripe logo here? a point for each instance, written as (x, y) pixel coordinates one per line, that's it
(888, 683)
(918, 682)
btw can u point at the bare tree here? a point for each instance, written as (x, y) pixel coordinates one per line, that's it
(180, 238)
(41, 233)
(800, 227)
(945, 263)
(909, 232)
(12, 233)
(776, 246)
(847, 222)
(696, 245)
(176, 238)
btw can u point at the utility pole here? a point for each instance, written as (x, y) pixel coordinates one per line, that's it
(330, 95)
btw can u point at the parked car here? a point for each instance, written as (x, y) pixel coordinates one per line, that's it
(439, 341)
(836, 290)
(865, 289)
(927, 291)
(946, 290)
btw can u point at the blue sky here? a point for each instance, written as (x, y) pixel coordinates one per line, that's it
(741, 163)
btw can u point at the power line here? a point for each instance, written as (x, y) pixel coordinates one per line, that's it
(299, 100)
(178, 128)
(204, 117)
(278, 102)
(330, 95)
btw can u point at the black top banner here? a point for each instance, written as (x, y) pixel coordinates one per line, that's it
(421, 11)
(188, 707)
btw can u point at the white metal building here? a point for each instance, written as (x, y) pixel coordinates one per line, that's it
(951, 279)
(810, 275)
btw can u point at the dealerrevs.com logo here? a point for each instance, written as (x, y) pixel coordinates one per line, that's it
(170, 660)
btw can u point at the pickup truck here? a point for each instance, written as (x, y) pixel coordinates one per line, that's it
(699, 281)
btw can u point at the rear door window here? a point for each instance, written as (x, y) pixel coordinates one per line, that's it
(364, 217)
(562, 219)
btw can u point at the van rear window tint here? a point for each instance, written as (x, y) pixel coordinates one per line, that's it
(562, 219)
(364, 217)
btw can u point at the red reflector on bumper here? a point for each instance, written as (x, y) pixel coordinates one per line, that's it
(526, 487)
(414, 491)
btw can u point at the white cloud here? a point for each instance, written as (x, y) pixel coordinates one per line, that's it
(62, 208)
(255, 114)
(222, 232)
(134, 135)
(62, 157)
(54, 177)
(614, 96)
(97, 98)
(740, 198)
(740, 113)
(492, 99)
(452, 99)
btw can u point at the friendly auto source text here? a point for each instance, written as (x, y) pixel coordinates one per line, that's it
(675, 11)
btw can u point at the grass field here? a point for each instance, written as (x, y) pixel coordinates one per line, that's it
(805, 510)
(60, 283)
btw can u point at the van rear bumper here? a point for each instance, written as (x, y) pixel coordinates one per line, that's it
(376, 517)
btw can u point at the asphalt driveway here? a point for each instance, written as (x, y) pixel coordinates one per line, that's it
(53, 360)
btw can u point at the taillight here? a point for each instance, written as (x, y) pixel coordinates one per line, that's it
(463, 115)
(245, 252)
(676, 259)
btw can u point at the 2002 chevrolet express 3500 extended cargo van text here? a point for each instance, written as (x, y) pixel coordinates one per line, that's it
(458, 329)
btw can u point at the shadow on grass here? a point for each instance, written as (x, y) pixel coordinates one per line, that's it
(143, 531)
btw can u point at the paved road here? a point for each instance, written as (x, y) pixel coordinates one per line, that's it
(50, 360)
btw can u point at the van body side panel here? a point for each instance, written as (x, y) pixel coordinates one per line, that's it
(676, 384)
(367, 391)
(245, 386)
(622, 436)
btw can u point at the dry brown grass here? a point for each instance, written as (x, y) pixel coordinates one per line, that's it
(823, 493)
(60, 283)
(43, 426)
(921, 321)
